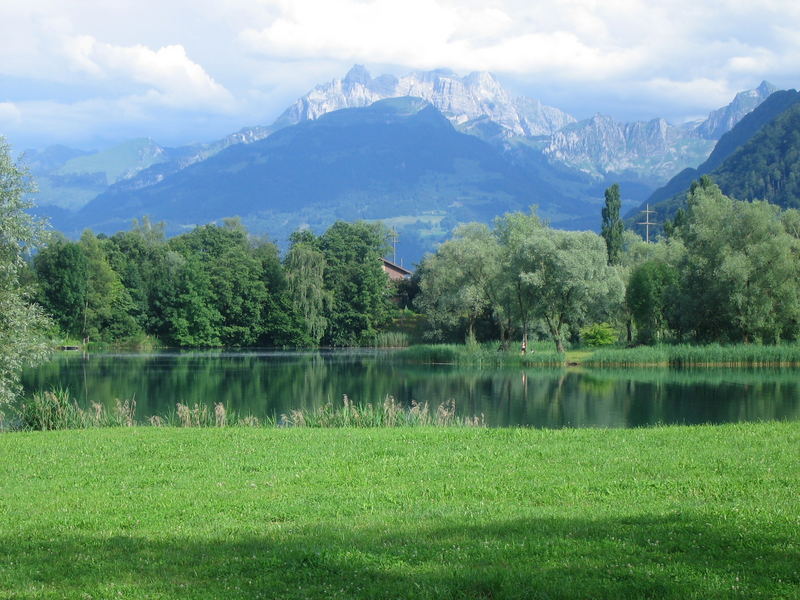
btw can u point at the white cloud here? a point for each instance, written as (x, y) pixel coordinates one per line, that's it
(175, 80)
(9, 114)
(567, 40)
(243, 61)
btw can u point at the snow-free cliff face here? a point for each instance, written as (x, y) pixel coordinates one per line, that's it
(463, 100)
(652, 150)
(722, 120)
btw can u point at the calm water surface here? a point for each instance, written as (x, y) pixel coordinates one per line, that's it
(271, 383)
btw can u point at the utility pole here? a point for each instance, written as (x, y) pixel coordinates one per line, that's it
(647, 222)
(394, 237)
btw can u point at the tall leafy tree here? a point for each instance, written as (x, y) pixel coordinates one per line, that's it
(23, 325)
(62, 272)
(650, 297)
(459, 282)
(355, 277)
(514, 231)
(305, 280)
(235, 288)
(140, 258)
(190, 315)
(108, 311)
(741, 273)
(612, 227)
(567, 276)
(521, 272)
(282, 324)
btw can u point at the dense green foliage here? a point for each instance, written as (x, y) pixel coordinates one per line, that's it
(22, 322)
(767, 167)
(740, 273)
(217, 286)
(356, 281)
(63, 272)
(648, 295)
(683, 512)
(728, 272)
(520, 273)
(599, 334)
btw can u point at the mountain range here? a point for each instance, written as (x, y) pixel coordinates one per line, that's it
(754, 160)
(397, 160)
(498, 152)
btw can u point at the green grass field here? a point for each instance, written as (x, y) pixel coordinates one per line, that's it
(147, 512)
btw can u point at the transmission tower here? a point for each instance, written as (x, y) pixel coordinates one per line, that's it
(647, 222)
(394, 236)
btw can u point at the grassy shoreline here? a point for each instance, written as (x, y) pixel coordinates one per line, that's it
(541, 353)
(672, 512)
(678, 355)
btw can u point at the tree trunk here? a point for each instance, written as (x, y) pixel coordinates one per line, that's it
(503, 335)
(555, 333)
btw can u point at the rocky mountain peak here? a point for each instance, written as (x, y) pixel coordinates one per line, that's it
(463, 100)
(357, 74)
(766, 89)
(722, 120)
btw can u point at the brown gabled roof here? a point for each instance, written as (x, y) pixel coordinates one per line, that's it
(397, 267)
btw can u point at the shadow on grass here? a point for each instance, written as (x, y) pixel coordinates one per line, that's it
(674, 557)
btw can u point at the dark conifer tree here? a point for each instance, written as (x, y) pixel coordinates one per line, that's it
(612, 225)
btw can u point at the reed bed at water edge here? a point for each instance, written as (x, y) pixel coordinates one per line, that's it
(391, 339)
(488, 354)
(680, 355)
(56, 409)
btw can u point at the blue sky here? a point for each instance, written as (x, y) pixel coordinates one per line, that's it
(88, 73)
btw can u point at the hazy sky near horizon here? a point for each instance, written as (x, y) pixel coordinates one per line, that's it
(88, 73)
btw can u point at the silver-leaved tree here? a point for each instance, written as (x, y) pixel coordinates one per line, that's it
(22, 323)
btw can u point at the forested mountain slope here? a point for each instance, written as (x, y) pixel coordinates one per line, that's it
(767, 167)
(668, 198)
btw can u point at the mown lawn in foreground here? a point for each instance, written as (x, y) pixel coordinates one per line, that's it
(674, 512)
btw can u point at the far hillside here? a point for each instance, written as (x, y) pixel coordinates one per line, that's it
(398, 161)
(756, 160)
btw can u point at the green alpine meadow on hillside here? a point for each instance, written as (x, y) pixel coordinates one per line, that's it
(683, 512)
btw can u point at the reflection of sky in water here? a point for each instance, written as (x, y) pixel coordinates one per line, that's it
(271, 383)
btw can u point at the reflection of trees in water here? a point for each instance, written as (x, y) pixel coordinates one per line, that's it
(271, 384)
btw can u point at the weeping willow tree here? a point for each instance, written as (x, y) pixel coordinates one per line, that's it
(305, 278)
(22, 323)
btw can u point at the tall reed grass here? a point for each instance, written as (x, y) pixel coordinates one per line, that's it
(56, 409)
(391, 339)
(481, 354)
(389, 414)
(681, 355)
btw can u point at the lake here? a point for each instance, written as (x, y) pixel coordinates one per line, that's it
(270, 383)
